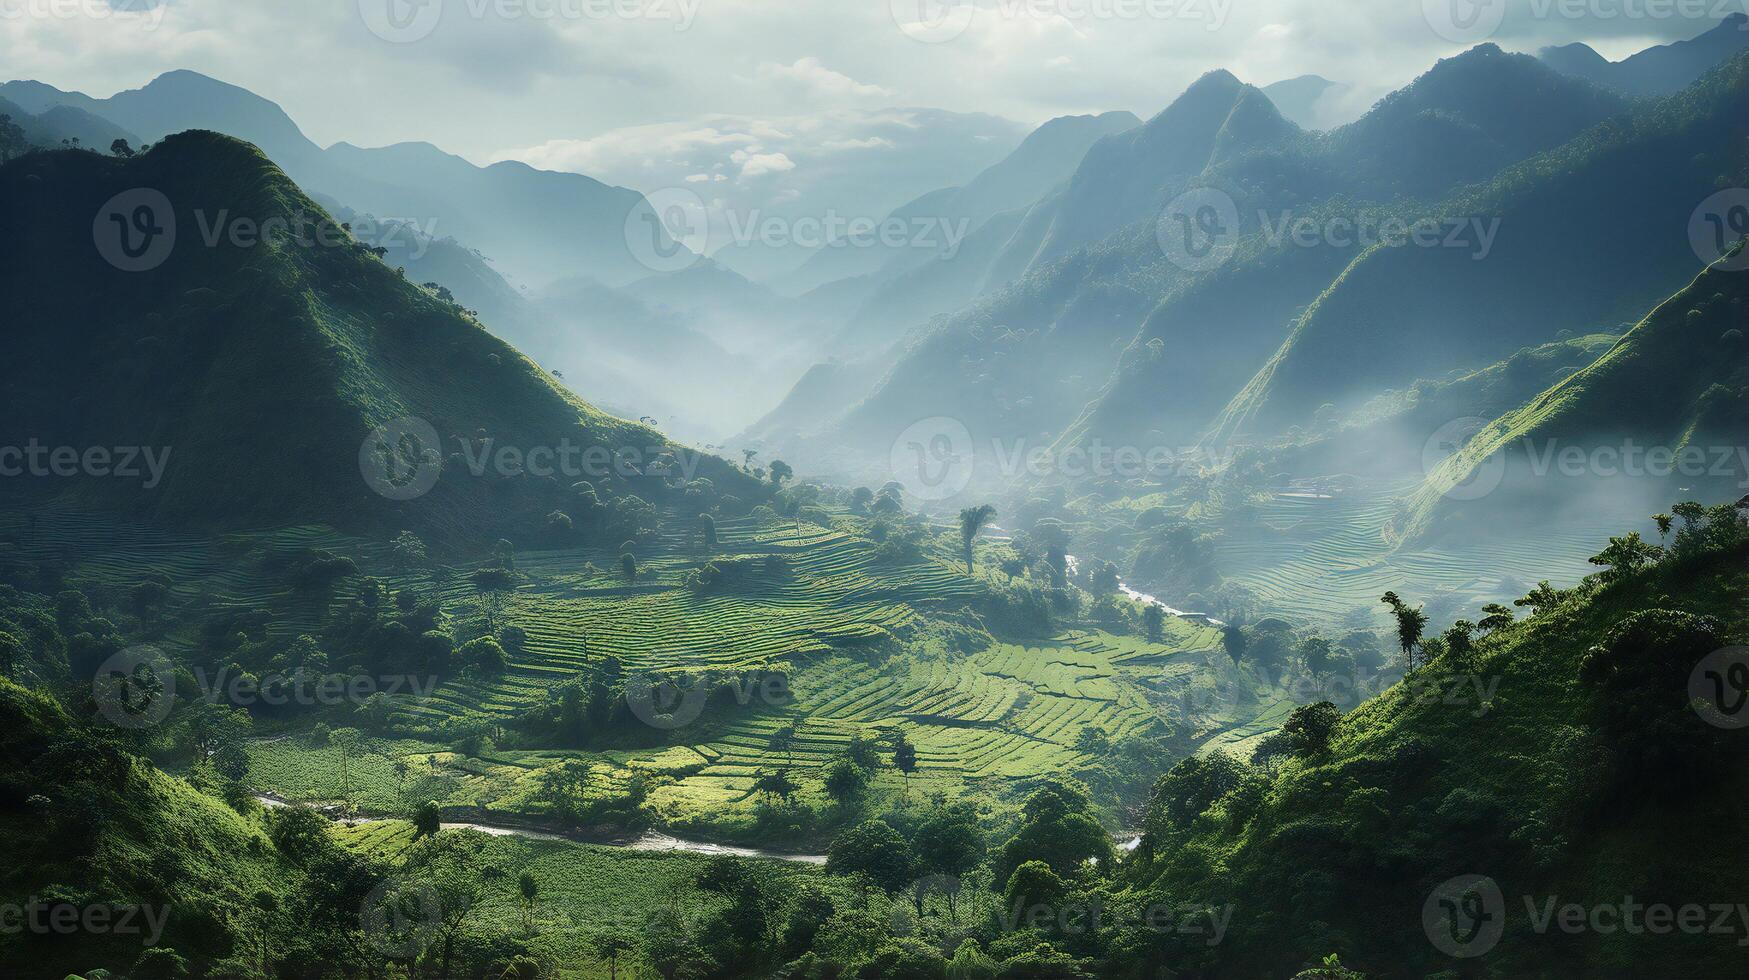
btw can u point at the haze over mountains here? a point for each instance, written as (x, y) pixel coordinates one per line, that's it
(1047, 305)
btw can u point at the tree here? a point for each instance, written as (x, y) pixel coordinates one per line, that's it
(212, 727)
(1034, 887)
(348, 742)
(120, 148)
(232, 762)
(1411, 623)
(11, 651)
(860, 499)
(1664, 522)
(427, 820)
(781, 472)
(529, 890)
(775, 784)
(407, 551)
(1494, 617)
(905, 759)
(1057, 827)
(628, 566)
(1316, 652)
(970, 962)
(1541, 599)
(608, 946)
(784, 740)
(707, 529)
(447, 868)
(12, 140)
(1235, 641)
(972, 520)
(1311, 727)
(864, 752)
(950, 842)
(1625, 556)
(875, 851)
(845, 780)
(1154, 623)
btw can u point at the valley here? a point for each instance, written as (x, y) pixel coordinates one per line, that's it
(1299, 530)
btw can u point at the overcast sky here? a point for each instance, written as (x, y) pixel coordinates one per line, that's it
(606, 86)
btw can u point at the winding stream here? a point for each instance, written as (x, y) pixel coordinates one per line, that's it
(649, 840)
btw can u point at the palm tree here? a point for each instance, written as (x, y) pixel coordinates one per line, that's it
(972, 520)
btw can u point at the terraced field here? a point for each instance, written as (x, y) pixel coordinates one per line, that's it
(1320, 559)
(811, 599)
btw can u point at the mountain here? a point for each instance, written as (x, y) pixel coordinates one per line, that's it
(56, 125)
(538, 225)
(1117, 343)
(1657, 71)
(262, 367)
(1309, 101)
(1678, 380)
(1403, 313)
(1129, 176)
(1045, 158)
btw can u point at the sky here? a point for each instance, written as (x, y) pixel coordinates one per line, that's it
(622, 89)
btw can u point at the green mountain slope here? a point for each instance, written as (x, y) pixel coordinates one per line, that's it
(1402, 313)
(1558, 758)
(262, 367)
(539, 225)
(1678, 381)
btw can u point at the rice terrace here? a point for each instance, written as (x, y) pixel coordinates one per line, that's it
(924, 490)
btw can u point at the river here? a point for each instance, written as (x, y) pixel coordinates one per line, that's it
(649, 840)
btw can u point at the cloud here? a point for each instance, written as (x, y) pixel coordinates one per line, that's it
(808, 76)
(760, 164)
